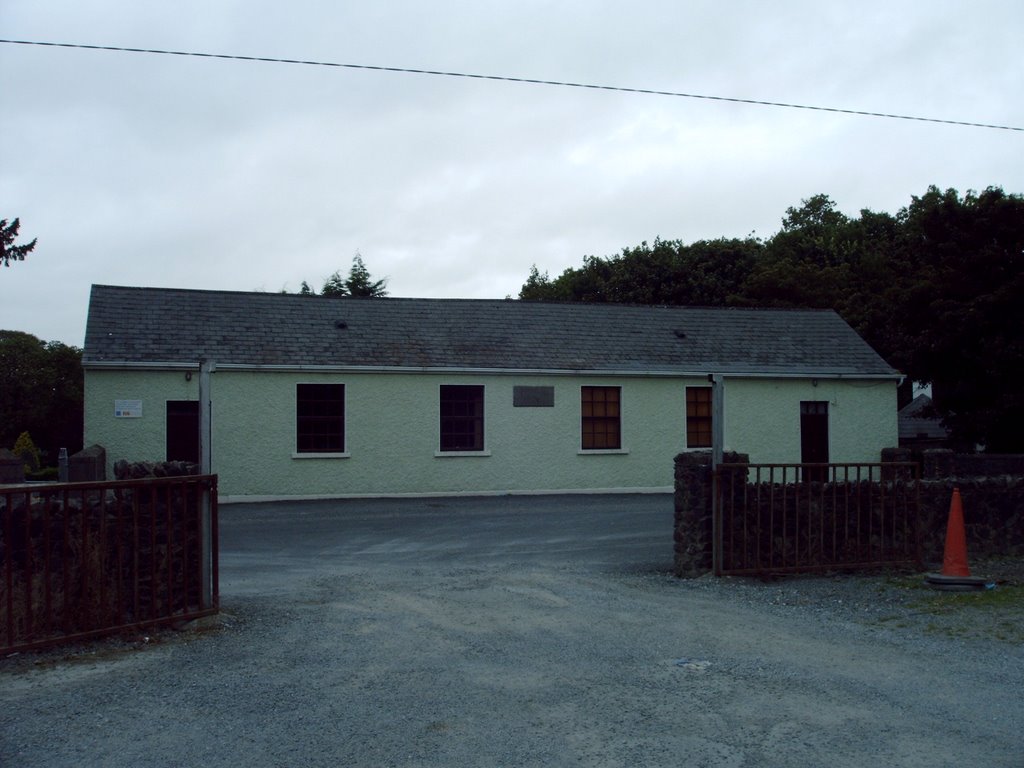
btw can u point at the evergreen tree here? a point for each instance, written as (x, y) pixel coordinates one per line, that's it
(8, 250)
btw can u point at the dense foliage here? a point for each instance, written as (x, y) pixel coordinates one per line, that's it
(937, 289)
(41, 393)
(358, 284)
(8, 250)
(25, 449)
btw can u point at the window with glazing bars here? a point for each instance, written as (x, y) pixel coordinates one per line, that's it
(601, 418)
(462, 417)
(320, 418)
(698, 417)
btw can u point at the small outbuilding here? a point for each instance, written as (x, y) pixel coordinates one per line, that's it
(920, 426)
(309, 396)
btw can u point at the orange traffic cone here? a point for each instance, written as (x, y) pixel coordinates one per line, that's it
(956, 575)
(954, 561)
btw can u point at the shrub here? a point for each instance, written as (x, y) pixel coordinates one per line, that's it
(26, 450)
(46, 474)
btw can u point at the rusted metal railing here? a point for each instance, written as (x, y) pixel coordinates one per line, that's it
(778, 518)
(79, 560)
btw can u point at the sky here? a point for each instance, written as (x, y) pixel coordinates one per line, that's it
(184, 172)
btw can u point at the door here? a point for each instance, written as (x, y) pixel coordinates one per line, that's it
(183, 430)
(814, 438)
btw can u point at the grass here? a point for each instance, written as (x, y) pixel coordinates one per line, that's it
(994, 614)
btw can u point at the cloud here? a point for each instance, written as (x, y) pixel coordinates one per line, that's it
(178, 171)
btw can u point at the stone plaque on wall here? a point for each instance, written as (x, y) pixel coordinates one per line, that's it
(533, 397)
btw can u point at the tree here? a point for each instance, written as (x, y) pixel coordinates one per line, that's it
(41, 392)
(935, 289)
(537, 287)
(334, 286)
(807, 263)
(8, 250)
(962, 318)
(705, 273)
(823, 258)
(358, 284)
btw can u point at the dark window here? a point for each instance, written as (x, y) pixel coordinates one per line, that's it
(320, 418)
(698, 417)
(601, 422)
(462, 417)
(183, 431)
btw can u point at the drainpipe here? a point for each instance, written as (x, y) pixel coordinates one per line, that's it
(206, 367)
(717, 417)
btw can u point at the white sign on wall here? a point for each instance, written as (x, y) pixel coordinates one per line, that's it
(127, 409)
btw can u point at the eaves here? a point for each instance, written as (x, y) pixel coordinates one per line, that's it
(111, 365)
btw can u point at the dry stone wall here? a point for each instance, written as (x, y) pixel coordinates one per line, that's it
(991, 487)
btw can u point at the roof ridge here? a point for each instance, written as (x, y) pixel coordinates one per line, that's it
(467, 300)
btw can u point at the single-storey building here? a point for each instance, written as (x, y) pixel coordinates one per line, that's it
(309, 396)
(919, 426)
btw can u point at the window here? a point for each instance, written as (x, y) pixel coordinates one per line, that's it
(462, 417)
(601, 421)
(320, 418)
(698, 417)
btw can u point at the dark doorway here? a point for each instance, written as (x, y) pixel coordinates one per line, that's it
(814, 438)
(183, 430)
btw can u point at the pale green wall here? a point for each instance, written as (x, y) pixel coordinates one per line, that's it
(392, 430)
(392, 436)
(762, 418)
(143, 439)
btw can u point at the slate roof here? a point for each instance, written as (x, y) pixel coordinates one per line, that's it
(914, 424)
(156, 326)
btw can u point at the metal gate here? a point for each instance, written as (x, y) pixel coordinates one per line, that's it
(792, 518)
(80, 560)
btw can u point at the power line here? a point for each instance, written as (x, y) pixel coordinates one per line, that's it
(507, 79)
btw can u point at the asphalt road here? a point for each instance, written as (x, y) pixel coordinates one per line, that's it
(511, 631)
(263, 546)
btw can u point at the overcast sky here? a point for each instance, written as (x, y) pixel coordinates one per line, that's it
(149, 170)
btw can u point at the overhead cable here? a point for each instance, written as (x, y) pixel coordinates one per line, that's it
(508, 79)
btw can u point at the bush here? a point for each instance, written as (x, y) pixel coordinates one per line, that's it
(26, 450)
(46, 474)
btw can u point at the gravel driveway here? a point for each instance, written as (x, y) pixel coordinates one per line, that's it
(523, 632)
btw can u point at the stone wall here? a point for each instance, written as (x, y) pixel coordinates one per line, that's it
(993, 515)
(943, 463)
(693, 511)
(12, 468)
(693, 521)
(135, 470)
(991, 488)
(88, 465)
